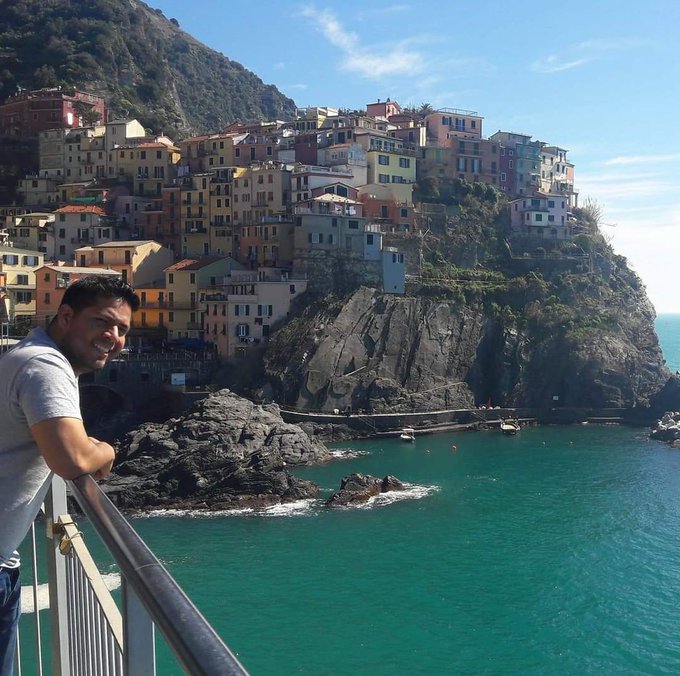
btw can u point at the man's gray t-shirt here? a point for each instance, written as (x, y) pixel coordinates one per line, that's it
(36, 383)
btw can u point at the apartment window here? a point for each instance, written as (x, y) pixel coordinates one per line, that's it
(47, 298)
(539, 218)
(504, 176)
(383, 178)
(30, 260)
(22, 279)
(171, 278)
(315, 238)
(192, 278)
(384, 160)
(265, 310)
(369, 240)
(551, 203)
(404, 162)
(354, 225)
(242, 310)
(510, 164)
(242, 330)
(23, 296)
(10, 259)
(551, 219)
(171, 317)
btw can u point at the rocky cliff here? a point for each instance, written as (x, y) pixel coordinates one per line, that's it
(390, 353)
(567, 327)
(225, 452)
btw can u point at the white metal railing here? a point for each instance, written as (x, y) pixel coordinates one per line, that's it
(89, 633)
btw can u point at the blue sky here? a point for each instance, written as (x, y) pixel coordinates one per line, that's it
(601, 78)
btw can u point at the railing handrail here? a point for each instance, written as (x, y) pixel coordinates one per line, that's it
(191, 638)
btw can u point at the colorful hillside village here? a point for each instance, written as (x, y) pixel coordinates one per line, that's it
(220, 232)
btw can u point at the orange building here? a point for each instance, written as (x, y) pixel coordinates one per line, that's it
(51, 282)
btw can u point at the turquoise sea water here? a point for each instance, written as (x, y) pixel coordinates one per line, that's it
(553, 552)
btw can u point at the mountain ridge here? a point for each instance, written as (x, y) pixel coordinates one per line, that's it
(141, 62)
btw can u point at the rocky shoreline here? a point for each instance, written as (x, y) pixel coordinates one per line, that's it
(224, 453)
(227, 453)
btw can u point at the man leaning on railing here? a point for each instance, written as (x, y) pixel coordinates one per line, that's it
(41, 428)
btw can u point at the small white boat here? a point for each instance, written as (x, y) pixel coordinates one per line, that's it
(408, 434)
(509, 427)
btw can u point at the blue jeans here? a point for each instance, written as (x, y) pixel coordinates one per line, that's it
(10, 608)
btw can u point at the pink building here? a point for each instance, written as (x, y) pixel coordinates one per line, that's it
(383, 109)
(448, 124)
(542, 216)
(28, 113)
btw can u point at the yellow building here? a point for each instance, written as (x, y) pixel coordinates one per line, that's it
(195, 214)
(183, 281)
(19, 266)
(34, 231)
(148, 165)
(152, 316)
(139, 261)
(396, 169)
(221, 229)
(209, 152)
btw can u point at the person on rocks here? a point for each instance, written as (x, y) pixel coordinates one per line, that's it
(41, 425)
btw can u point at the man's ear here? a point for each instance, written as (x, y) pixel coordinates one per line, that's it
(64, 316)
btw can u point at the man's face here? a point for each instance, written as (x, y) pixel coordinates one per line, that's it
(95, 334)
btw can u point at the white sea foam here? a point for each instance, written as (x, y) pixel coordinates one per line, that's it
(297, 508)
(284, 509)
(111, 580)
(346, 453)
(411, 492)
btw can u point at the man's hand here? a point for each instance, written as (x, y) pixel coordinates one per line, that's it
(105, 469)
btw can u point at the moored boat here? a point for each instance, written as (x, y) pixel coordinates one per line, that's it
(408, 434)
(509, 427)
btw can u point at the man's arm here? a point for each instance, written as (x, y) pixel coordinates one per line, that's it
(69, 452)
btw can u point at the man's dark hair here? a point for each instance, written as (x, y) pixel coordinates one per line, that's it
(86, 291)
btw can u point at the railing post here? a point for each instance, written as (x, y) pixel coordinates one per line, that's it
(55, 506)
(139, 645)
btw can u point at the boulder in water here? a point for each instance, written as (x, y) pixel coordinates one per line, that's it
(360, 488)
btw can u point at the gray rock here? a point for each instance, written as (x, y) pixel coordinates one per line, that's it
(387, 353)
(225, 452)
(360, 488)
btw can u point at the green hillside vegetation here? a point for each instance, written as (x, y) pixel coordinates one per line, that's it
(140, 61)
(568, 289)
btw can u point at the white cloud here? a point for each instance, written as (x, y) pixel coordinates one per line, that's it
(395, 59)
(279, 65)
(641, 159)
(298, 85)
(580, 54)
(552, 64)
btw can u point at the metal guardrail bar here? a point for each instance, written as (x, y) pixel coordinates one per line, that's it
(194, 642)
